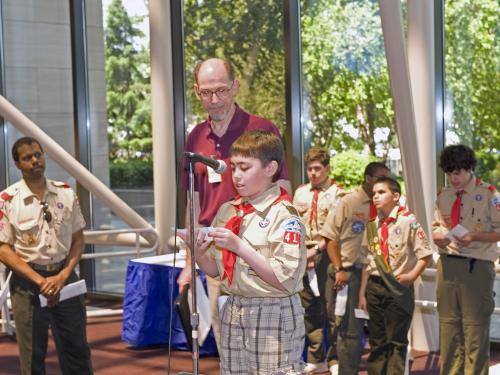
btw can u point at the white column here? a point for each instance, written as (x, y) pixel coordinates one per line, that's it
(425, 328)
(163, 120)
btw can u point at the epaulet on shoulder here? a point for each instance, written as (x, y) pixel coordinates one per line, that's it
(492, 188)
(64, 185)
(6, 196)
(290, 208)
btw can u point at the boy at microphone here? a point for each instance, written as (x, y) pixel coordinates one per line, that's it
(257, 250)
(398, 252)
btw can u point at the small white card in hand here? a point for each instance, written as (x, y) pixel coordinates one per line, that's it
(69, 291)
(458, 231)
(313, 281)
(341, 301)
(361, 314)
(207, 231)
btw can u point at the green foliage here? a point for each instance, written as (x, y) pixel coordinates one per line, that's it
(128, 92)
(347, 168)
(131, 173)
(345, 73)
(250, 34)
(472, 61)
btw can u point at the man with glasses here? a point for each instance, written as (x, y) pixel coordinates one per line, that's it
(216, 88)
(41, 241)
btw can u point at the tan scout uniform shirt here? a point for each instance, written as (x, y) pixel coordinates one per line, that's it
(23, 226)
(346, 225)
(265, 230)
(480, 212)
(407, 243)
(328, 195)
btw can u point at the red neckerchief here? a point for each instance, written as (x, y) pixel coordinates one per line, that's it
(234, 224)
(384, 233)
(455, 209)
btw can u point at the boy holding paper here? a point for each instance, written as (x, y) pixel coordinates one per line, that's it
(398, 254)
(466, 229)
(257, 251)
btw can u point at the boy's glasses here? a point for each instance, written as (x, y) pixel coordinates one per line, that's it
(47, 216)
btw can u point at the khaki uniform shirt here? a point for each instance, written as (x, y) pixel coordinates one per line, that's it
(22, 223)
(407, 243)
(328, 195)
(480, 212)
(277, 235)
(346, 225)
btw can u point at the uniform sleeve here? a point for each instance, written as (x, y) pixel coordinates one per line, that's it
(437, 222)
(364, 256)
(288, 259)
(495, 211)
(6, 232)
(77, 220)
(333, 223)
(419, 242)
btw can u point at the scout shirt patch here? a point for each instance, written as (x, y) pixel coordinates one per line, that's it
(479, 197)
(397, 231)
(358, 227)
(60, 205)
(264, 223)
(421, 234)
(292, 231)
(496, 202)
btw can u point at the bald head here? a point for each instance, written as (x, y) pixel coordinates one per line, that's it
(214, 67)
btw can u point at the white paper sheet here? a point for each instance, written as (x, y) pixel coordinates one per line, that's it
(313, 281)
(457, 231)
(341, 301)
(361, 314)
(69, 291)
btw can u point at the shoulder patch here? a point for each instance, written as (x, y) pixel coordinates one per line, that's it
(6, 196)
(61, 184)
(292, 227)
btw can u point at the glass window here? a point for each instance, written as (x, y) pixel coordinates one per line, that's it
(472, 81)
(120, 112)
(250, 35)
(347, 104)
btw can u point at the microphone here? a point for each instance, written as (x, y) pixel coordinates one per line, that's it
(219, 166)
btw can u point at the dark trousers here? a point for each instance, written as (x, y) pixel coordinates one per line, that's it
(315, 314)
(68, 323)
(389, 325)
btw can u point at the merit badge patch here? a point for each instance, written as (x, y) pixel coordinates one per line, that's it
(421, 234)
(479, 197)
(60, 205)
(292, 231)
(358, 227)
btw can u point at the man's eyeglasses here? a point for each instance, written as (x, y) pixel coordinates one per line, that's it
(47, 216)
(221, 93)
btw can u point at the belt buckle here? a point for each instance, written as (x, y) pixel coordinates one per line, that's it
(52, 267)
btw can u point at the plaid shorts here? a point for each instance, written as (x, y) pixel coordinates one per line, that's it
(262, 335)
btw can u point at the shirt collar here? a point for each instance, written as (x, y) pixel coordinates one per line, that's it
(470, 186)
(235, 123)
(324, 186)
(25, 192)
(264, 200)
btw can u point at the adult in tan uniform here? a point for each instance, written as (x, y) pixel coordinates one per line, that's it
(343, 231)
(41, 241)
(314, 201)
(466, 272)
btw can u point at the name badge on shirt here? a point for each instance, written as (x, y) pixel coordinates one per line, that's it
(213, 177)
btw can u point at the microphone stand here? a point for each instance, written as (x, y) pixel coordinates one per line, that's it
(195, 318)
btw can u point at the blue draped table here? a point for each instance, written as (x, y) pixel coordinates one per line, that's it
(148, 307)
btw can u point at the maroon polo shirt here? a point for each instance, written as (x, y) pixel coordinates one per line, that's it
(203, 141)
